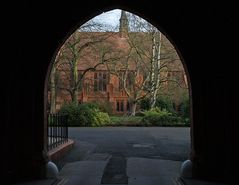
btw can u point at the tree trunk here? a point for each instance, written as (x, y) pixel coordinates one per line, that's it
(153, 101)
(152, 72)
(75, 97)
(133, 108)
(155, 69)
(75, 81)
(53, 90)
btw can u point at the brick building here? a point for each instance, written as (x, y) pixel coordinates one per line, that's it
(104, 84)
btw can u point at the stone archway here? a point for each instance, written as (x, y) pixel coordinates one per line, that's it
(198, 30)
(185, 167)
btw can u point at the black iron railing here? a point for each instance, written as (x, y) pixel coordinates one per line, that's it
(57, 129)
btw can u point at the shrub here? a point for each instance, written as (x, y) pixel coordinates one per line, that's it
(72, 110)
(165, 103)
(89, 105)
(185, 108)
(144, 104)
(184, 111)
(103, 118)
(162, 102)
(186, 122)
(158, 117)
(104, 106)
(86, 114)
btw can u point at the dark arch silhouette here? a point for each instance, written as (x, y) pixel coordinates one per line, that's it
(203, 32)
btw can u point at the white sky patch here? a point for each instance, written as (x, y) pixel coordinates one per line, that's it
(108, 21)
(110, 18)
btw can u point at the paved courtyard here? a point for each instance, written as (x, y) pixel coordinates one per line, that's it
(148, 142)
(125, 155)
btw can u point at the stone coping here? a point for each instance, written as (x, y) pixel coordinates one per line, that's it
(57, 153)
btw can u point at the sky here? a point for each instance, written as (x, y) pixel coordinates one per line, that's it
(111, 17)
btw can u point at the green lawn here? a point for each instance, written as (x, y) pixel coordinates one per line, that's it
(135, 121)
(125, 120)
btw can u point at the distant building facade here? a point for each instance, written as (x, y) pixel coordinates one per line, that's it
(104, 86)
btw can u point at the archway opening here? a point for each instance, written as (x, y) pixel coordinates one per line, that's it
(123, 72)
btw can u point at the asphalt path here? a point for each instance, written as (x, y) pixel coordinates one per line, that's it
(170, 143)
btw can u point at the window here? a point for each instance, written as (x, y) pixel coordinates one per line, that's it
(100, 81)
(120, 105)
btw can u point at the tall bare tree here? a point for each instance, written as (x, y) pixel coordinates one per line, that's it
(69, 56)
(129, 71)
(150, 55)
